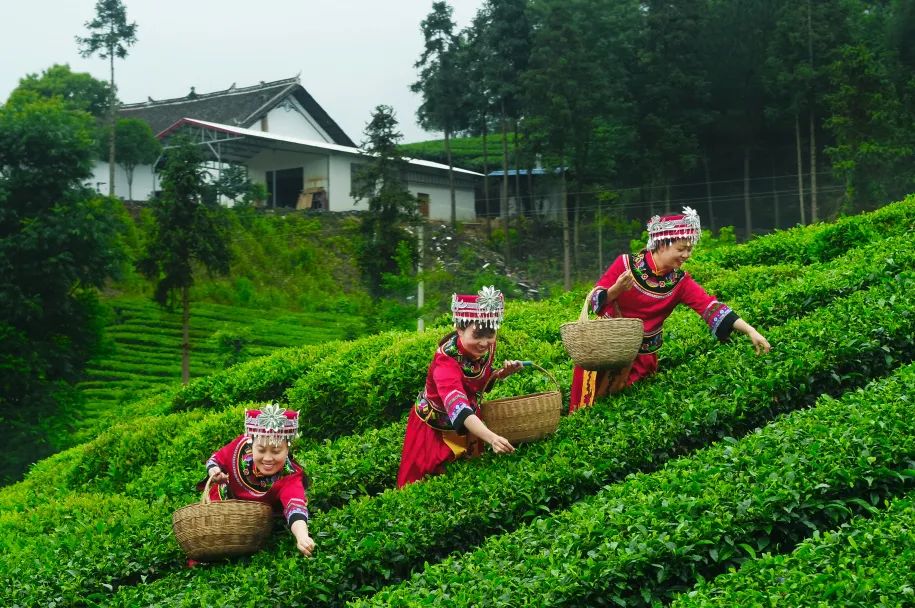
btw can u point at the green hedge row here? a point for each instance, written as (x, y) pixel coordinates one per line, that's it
(638, 542)
(350, 467)
(792, 298)
(114, 369)
(362, 464)
(264, 379)
(375, 381)
(52, 556)
(370, 543)
(868, 562)
(818, 242)
(688, 337)
(145, 310)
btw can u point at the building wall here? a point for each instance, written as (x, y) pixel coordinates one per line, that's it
(342, 184)
(144, 182)
(440, 201)
(435, 183)
(291, 120)
(330, 170)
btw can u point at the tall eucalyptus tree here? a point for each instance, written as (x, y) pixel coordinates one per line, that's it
(575, 94)
(110, 36)
(442, 83)
(507, 36)
(670, 83)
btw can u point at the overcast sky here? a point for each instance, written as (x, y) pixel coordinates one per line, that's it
(351, 54)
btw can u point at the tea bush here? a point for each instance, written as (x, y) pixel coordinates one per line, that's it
(867, 562)
(637, 542)
(370, 543)
(818, 242)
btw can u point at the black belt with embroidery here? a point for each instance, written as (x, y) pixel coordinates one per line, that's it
(651, 343)
(432, 416)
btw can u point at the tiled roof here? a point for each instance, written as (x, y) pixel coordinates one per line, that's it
(241, 107)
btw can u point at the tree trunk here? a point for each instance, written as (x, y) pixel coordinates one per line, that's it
(112, 121)
(813, 139)
(129, 173)
(420, 285)
(814, 214)
(518, 199)
(576, 228)
(451, 178)
(505, 214)
(775, 201)
(486, 179)
(651, 189)
(800, 170)
(747, 212)
(566, 254)
(530, 191)
(708, 193)
(185, 335)
(600, 239)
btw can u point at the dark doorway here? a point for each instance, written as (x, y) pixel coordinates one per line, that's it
(288, 183)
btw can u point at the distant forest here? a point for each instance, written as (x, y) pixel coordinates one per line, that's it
(759, 113)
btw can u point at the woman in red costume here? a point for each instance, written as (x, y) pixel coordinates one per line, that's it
(647, 286)
(444, 423)
(257, 466)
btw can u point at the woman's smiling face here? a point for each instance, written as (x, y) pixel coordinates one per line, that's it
(669, 257)
(269, 458)
(476, 341)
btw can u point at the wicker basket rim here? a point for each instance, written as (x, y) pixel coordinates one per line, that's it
(232, 503)
(583, 315)
(612, 320)
(528, 395)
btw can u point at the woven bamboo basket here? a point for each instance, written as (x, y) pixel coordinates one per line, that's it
(603, 343)
(526, 417)
(209, 530)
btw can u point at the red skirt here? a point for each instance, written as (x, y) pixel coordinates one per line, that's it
(424, 452)
(587, 387)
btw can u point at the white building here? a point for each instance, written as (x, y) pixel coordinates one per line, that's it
(287, 142)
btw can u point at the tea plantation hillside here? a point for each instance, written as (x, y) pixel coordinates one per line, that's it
(725, 479)
(143, 350)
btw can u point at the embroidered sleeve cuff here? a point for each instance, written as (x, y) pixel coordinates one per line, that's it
(720, 319)
(211, 463)
(598, 300)
(295, 509)
(459, 415)
(726, 326)
(296, 517)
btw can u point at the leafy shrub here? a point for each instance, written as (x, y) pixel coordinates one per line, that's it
(637, 542)
(867, 562)
(835, 348)
(818, 242)
(230, 345)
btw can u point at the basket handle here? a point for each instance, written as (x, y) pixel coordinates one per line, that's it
(205, 498)
(549, 375)
(584, 307)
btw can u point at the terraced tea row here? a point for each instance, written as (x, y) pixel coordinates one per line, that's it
(638, 542)
(835, 348)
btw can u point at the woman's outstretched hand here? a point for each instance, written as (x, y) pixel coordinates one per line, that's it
(501, 445)
(760, 344)
(303, 540)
